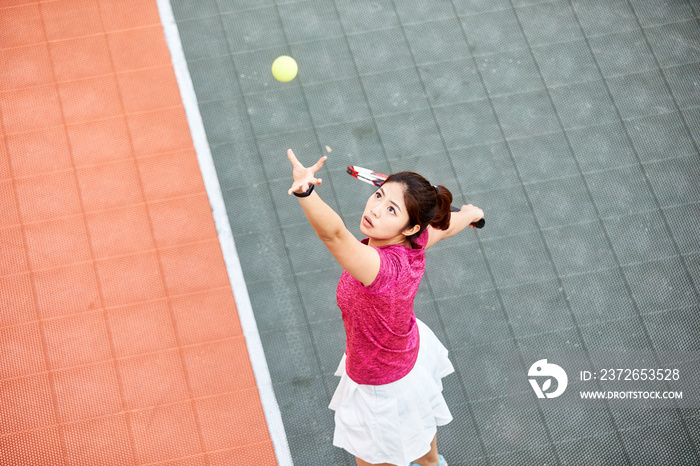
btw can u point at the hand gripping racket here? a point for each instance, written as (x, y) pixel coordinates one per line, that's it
(376, 179)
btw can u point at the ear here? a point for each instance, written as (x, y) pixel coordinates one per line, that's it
(410, 231)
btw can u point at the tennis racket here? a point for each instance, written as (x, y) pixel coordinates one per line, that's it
(376, 179)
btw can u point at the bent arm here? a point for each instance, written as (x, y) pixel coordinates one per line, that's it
(458, 222)
(359, 260)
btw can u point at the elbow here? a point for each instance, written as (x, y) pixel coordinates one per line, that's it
(330, 236)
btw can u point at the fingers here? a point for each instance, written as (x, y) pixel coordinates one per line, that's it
(292, 158)
(317, 166)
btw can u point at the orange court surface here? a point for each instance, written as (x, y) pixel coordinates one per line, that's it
(120, 341)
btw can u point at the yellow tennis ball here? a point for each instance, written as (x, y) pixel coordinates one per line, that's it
(284, 69)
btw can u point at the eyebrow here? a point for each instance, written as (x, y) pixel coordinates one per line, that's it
(395, 204)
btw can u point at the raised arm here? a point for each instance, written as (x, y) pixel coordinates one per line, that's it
(458, 222)
(360, 261)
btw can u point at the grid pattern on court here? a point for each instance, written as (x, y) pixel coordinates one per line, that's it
(574, 124)
(119, 336)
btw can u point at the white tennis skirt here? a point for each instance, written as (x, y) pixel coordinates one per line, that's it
(396, 422)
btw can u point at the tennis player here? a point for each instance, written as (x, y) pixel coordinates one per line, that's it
(389, 400)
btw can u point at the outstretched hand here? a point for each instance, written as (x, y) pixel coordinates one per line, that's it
(303, 176)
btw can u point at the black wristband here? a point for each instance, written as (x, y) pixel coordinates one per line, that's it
(305, 194)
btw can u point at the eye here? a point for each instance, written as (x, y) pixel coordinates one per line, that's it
(392, 210)
(378, 195)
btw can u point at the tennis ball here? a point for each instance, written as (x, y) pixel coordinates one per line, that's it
(284, 69)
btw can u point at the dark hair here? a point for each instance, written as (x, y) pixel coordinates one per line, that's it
(425, 204)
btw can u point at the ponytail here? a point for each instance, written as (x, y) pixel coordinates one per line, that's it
(425, 204)
(443, 214)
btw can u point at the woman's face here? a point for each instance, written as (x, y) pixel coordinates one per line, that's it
(384, 219)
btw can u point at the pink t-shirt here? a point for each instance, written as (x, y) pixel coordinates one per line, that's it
(381, 333)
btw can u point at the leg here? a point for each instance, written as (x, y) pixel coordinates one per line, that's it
(431, 458)
(364, 463)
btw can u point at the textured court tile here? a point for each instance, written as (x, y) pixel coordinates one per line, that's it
(29, 357)
(685, 234)
(468, 124)
(109, 186)
(602, 147)
(493, 32)
(90, 441)
(193, 267)
(89, 99)
(46, 197)
(30, 109)
(437, 41)
(307, 20)
(60, 19)
(195, 322)
(367, 15)
(561, 202)
(566, 63)
(25, 67)
(179, 168)
(582, 292)
(18, 397)
(524, 115)
(254, 29)
(21, 25)
(57, 242)
(528, 307)
(513, 263)
(642, 94)
(579, 248)
(38, 152)
(628, 333)
(121, 231)
(494, 415)
(672, 180)
(87, 392)
(661, 284)
(660, 137)
(130, 279)
(88, 138)
(387, 96)
(165, 432)
(66, 290)
(138, 48)
(159, 131)
(232, 420)
(504, 72)
(76, 340)
(584, 104)
(555, 157)
(150, 89)
(378, 51)
(605, 448)
(548, 23)
(620, 192)
(655, 12)
(600, 17)
(677, 447)
(622, 53)
(684, 84)
(141, 328)
(181, 221)
(128, 14)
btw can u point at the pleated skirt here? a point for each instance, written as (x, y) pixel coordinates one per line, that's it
(396, 422)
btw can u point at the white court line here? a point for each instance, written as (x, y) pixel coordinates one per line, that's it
(233, 265)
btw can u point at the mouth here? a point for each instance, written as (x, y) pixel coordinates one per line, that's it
(367, 222)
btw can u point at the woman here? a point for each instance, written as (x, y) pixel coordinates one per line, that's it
(389, 401)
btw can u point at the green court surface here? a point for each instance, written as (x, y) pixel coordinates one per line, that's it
(575, 125)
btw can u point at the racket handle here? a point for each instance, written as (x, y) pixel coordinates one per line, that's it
(478, 224)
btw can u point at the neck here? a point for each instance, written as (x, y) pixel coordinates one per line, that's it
(379, 242)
